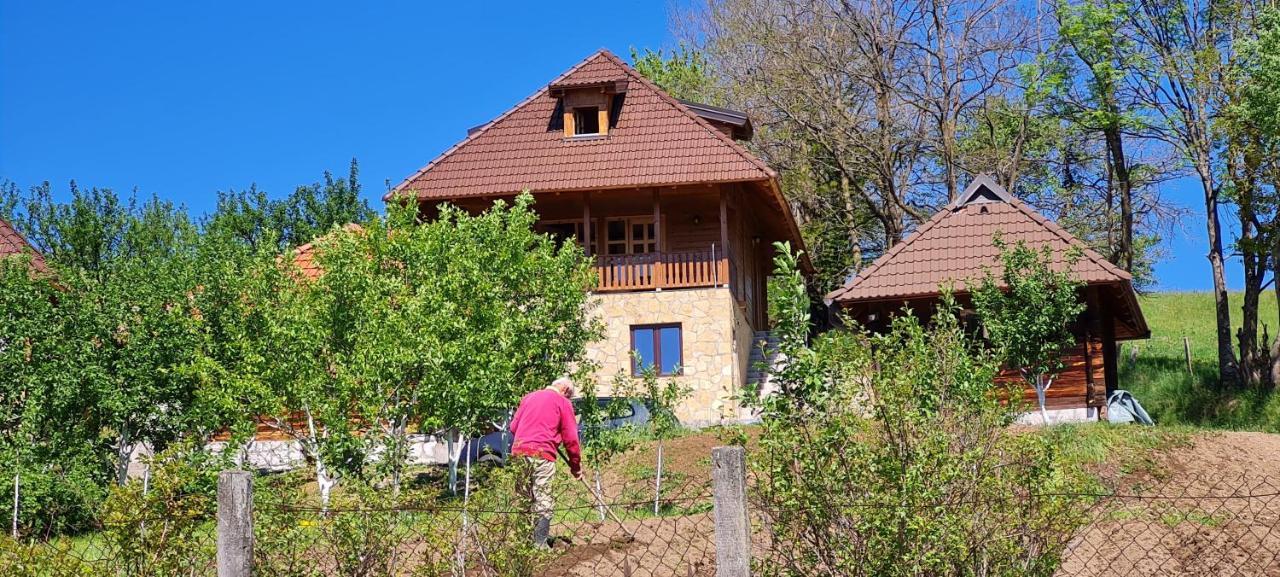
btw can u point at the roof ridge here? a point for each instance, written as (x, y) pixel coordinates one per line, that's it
(675, 102)
(485, 128)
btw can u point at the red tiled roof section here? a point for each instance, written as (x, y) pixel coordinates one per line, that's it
(956, 245)
(12, 243)
(656, 141)
(304, 256)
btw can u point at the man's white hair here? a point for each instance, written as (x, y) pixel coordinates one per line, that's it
(564, 382)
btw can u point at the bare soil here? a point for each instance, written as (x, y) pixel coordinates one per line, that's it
(1210, 508)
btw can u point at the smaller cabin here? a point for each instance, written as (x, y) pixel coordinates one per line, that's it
(956, 246)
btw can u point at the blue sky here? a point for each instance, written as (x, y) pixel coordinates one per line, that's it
(184, 99)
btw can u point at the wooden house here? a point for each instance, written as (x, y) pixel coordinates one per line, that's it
(956, 246)
(678, 216)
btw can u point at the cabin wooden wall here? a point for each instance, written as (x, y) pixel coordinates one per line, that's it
(1080, 384)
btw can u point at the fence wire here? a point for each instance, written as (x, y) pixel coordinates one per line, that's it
(1180, 525)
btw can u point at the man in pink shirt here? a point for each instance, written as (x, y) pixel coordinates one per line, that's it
(544, 421)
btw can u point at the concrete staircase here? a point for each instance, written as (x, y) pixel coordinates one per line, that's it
(764, 358)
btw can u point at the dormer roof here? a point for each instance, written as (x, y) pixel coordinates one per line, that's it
(653, 140)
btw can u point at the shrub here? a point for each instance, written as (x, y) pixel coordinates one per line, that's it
(887, 455)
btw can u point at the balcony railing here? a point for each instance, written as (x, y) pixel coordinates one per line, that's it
(629, 272)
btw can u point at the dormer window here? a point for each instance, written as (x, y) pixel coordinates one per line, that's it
(587, 109)
(586, 120)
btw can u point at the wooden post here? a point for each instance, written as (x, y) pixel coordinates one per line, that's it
(659, 268)
(723, 270)
(235, 524)
(1186, 351)
(586, 223)
(733, 530)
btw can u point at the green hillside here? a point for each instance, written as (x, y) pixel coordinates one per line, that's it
(1159, 378)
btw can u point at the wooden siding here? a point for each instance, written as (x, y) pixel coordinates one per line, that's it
(1080, 384)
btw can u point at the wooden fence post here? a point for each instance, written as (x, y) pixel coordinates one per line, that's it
(235, 524)
(733, 529)
(1186, 351)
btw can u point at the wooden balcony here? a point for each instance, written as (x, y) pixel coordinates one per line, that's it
(662, 270)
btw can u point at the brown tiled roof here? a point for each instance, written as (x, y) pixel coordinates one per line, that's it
(656, 141)
(956, 245)
(12, 243)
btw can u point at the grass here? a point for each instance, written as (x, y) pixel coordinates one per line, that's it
(1158, 375)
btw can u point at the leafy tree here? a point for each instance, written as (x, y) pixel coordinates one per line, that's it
(255, 218)
(684, 73)
(1027, 313)
(49, 445)
(662, 398)
(887, 455)
(441, 325)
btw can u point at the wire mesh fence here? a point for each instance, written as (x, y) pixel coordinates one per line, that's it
(624, 522)
(1176, 525)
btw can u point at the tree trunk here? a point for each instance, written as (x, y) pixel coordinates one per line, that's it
(16, 501)
(123, 451)
(1222, 307)
(324, 477)
(657, 483)
(1124, 189)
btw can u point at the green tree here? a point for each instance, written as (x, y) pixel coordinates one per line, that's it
(310, 210)
(886, 454)
(441, 325)
(684, 73)
(1027, 313)
(49, 448)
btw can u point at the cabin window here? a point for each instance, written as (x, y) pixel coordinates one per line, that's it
(586, 120)
(631, 236)
(657, 347)
(563, 230)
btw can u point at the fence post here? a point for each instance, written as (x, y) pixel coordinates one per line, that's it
(733, 530)
(1186, 351)
(235, 524)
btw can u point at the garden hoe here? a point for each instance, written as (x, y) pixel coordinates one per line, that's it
(629, 537)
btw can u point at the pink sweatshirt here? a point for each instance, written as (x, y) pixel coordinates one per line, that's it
(543, 421)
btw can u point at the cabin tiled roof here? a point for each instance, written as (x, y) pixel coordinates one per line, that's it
(654, 141)
(956, 246)
(12, 243)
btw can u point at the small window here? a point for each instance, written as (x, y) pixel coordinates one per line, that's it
(586, 120)
(656, 346)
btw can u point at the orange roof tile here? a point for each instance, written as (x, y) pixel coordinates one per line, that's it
(304, 256)
(656, 141)
(956, 246)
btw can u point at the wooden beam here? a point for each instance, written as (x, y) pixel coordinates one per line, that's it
(586, 223)
(659, 270)
(724, 237)
(1090, 384)
(568, 123)
(602, 117)
(1109, 366)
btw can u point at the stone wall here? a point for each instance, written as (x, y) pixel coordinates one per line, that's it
(710, 325)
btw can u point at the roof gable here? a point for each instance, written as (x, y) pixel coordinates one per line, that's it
(656, 141)
(956, 245)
